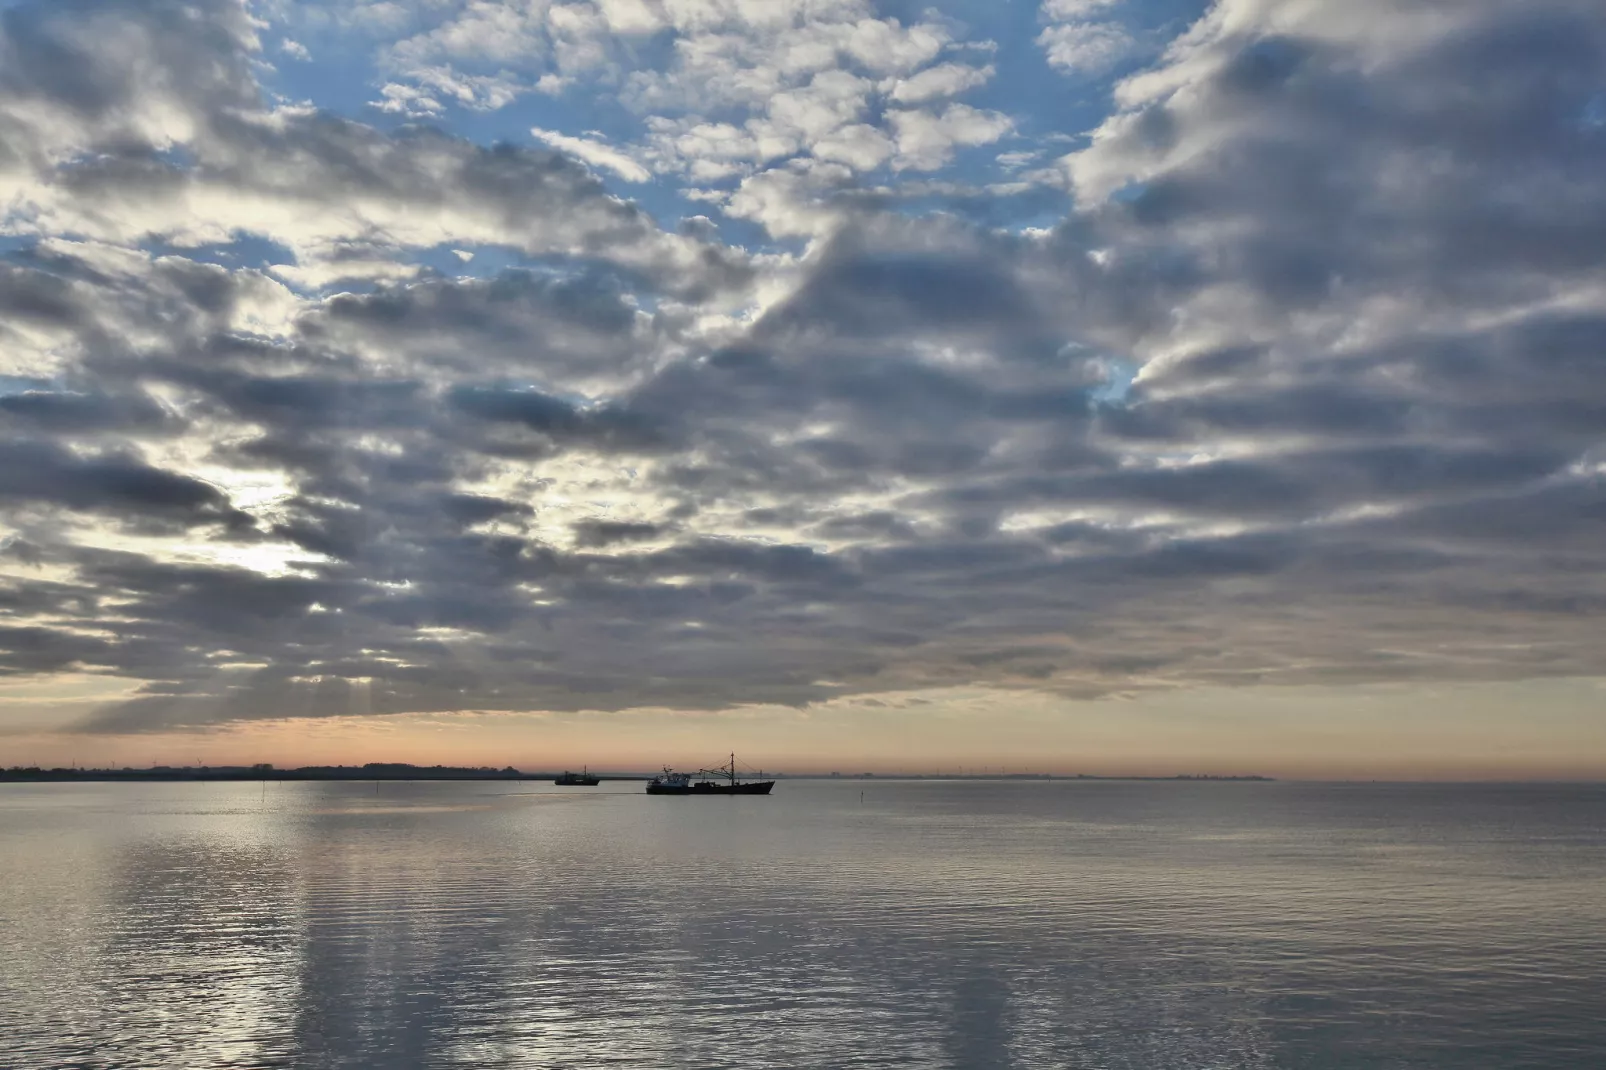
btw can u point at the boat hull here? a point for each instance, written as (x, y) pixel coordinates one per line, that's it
(577, 780)
(757, 787)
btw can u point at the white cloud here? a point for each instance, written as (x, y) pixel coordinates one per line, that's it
(860, 146)
(480, 92)
(632, 17)
(484, 32)
(1070, 10)
(320, 274)
(926, 140)
(1085, 47)
(830, 100)
(883, 46)
(409, 100)
(800, 76)
(942, 80)
(596, 153)
(791, 202)
(1081, 38)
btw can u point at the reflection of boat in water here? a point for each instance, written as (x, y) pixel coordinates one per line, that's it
(582, 779)
(721, 781)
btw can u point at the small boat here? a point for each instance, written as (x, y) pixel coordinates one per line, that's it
(582, 779)
(721, 781)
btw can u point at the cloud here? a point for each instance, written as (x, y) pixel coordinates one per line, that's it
(1298, 384)
(73, 412)
(116, 483)
(1082, 38)
(926, 140)
(1066, 10)
(733, 90)
(596, 153)
(1085, 47)
(943, 80)
(608, 532)
(154, 144)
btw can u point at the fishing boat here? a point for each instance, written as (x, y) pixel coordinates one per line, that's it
(582, 779)
(721, 781)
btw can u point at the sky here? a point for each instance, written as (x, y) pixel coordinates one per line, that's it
(1143, 387)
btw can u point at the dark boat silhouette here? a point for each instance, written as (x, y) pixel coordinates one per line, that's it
(582, 779)
(721, 781)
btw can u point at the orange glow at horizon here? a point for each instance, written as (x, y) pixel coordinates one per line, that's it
(1460, 731)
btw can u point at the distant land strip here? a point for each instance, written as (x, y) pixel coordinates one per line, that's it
(404, 771)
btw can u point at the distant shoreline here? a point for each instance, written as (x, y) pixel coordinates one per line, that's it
(401, 771)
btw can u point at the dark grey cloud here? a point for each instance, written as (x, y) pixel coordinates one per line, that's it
(520, 323)
(75, 412)
(528, 425)
(34, 472)
(598, 533)
(1355, 271)
(470, 509)
(31, 650)
(36, 297)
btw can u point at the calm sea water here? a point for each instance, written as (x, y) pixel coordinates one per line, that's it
(932, 924)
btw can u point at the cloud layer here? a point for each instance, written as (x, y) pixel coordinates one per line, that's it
(1298, 379)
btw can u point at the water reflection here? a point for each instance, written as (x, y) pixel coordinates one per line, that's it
(966, 925)
(202, 932)
(144, 948)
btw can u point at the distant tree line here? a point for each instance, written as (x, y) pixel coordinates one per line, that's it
(266, 771)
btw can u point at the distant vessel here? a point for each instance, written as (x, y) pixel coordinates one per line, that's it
(727, 783)
(582, 779)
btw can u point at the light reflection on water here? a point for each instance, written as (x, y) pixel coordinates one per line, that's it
(1104, 924)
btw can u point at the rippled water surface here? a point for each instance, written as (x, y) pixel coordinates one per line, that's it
(932, 924)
